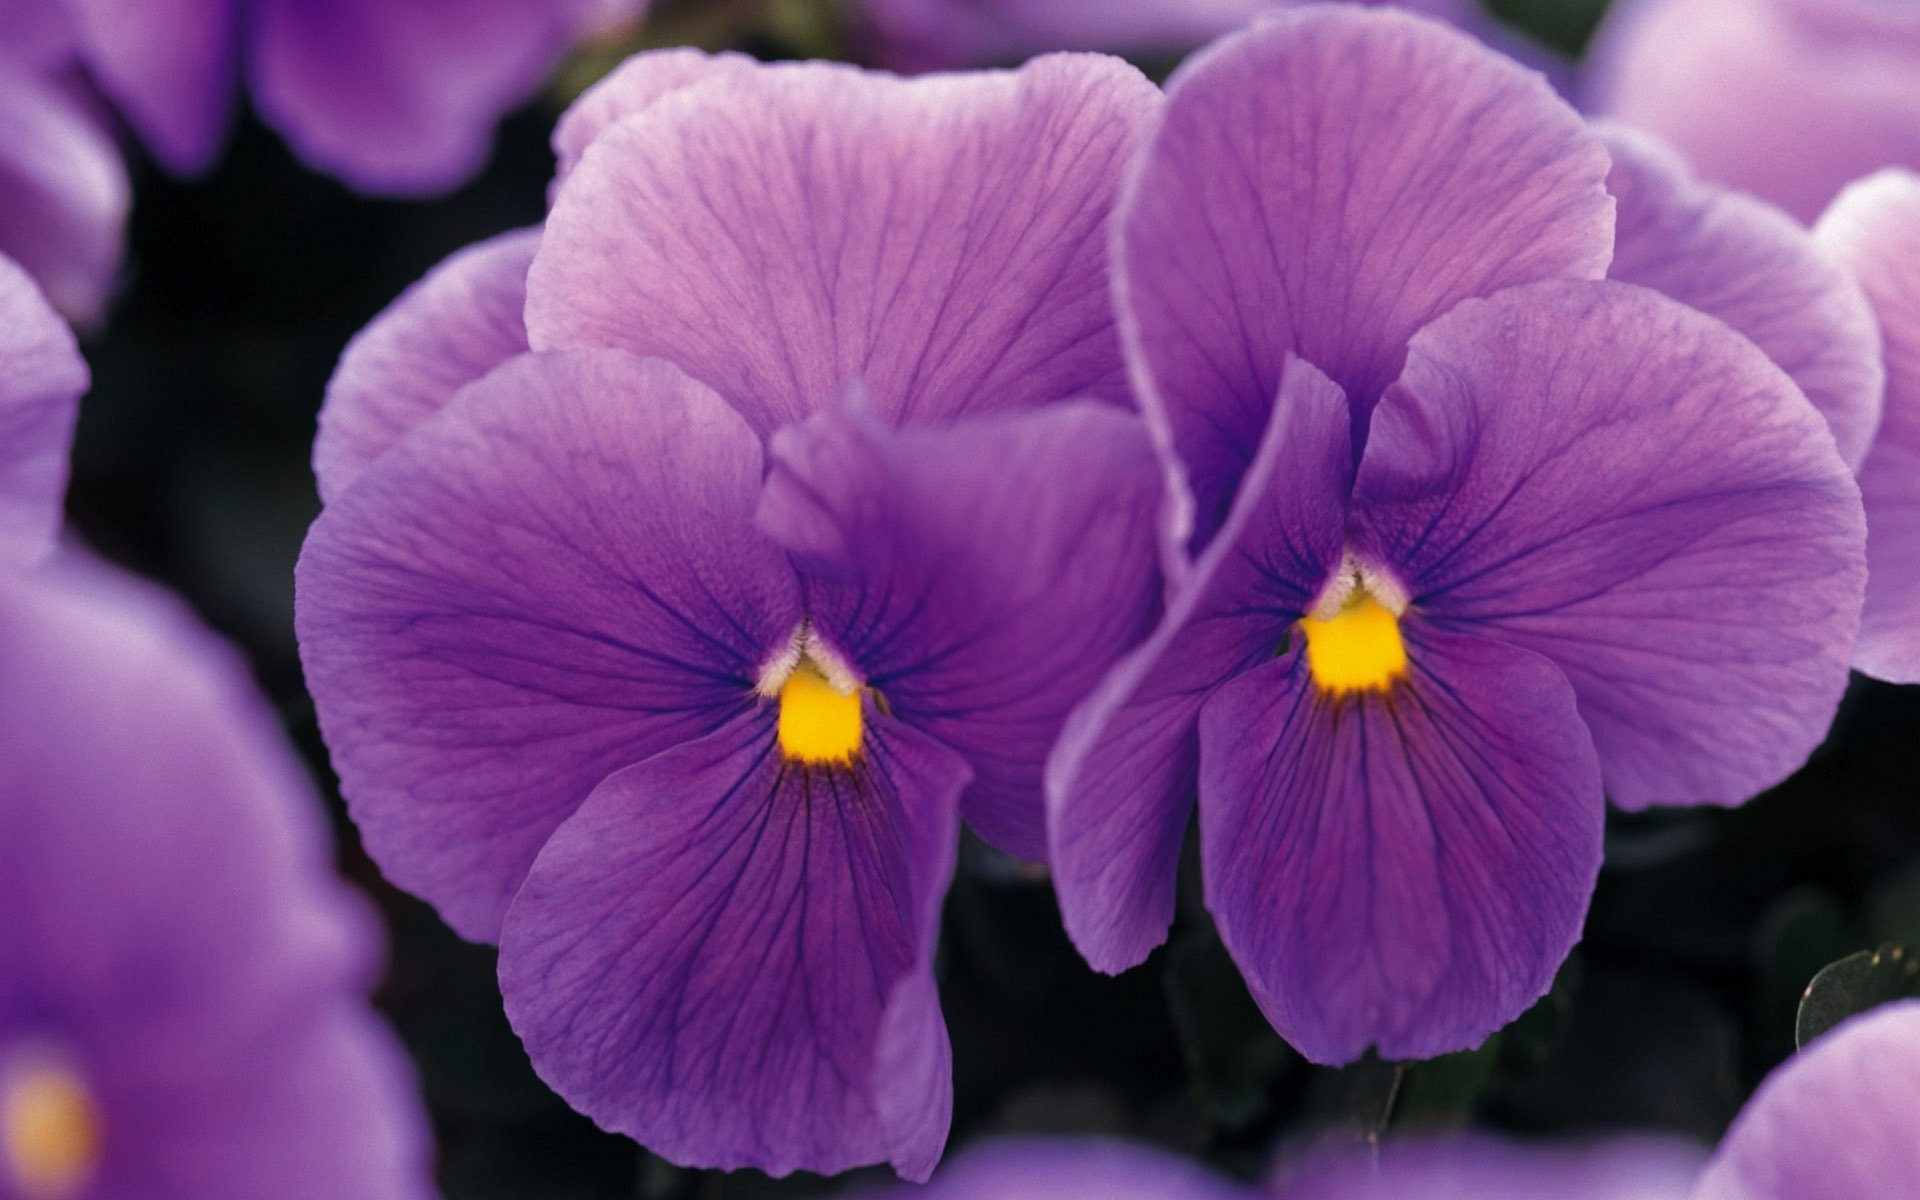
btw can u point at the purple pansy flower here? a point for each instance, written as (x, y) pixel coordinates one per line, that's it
(668, 661)
(1480, 538)
(1874, 228)
(1788, 99)
(41, 378)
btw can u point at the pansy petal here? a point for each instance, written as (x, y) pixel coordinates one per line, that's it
(170, 66)
(1120, 780)
(807, 225)
(41, 378)
(704, 955)
(1839, 1120)
(1875, 229)
(982, 575)
(554, 578)
(1324, 185)
(460, 322)
(1604, 476)
(1080, 1168)
(399, 98)
(1481, 1168)
(634, 86)
(1754, 267)
(63, 194)
(1400, 870)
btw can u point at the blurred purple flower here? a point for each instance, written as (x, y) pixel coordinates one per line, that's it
(1069, 1169)
(1509, 537)
(651, 659)
(1788, 99)
(41, 378)
(1874, 228)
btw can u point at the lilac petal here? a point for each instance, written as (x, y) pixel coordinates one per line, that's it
(460, 322)
(1874, 228)
(1120, 780)
(807, 225)
(400, 98)
(1061, 1168)
(170, 66)
(632, 87)
(1402, 871)
(41, 378)
(63, 194)
(1839, 1120)
(983, 575)
(1481, 1168)
(1606, 477)
(1324, 185)
(1757, 269)
(1786, 99)
(37, 33)
(554, 578)
(704, 955)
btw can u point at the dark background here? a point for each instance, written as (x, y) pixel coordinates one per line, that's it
(192, 468)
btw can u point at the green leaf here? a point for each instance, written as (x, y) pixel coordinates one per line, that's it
(1853, 985)
(1442, 1093)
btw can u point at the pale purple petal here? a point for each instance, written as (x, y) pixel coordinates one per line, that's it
(1120, 780)
(1324, 185)
(1601, 475)
(41, 378)
(1838, 1120)
(400, 97)
(172, 68)
(1875, 229)
(632, 87)
(36, 33)
(63, 194)
(460, 322)
(983, 575)
(1481, 1168)
(1402, 871)
(554, 578)
(806, 225)
(704, 954)
(1069, 1169)
(1787, 99)
(1757, 269)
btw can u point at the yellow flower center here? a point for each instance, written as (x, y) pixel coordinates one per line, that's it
(1358, 648)
(819, 723)
(49, 1131)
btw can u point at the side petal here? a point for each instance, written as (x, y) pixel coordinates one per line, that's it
(633, 87)
(1874, 228)
(399, 98)
(1612, 480)
(41, 378)
(703, 956)
(983, 575)
(554, 578)
(172, 68)
(1839, 1120)
(1402, 871)
(808, 225)
(64, 195)
(1120, 779)
(1324, 185)
(1754, 267)
(461, 321)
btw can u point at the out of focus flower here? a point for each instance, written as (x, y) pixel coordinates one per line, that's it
(1874, 228)
(1788, 99)
(1480, 538)
(41, 378)
(661, 660)
(63, 186)
(1071, 1169)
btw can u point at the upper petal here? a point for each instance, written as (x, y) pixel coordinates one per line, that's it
(1839, 1120)
(981, 576)
(460, 322)
(707, 954)
(1757, 269)
(807, 225)
(554, 578)
(1324, 185)
(63, 194)
(634, 86)
(1619, 483)
(1401, 870)
(1874, 228)
(171, 67)
(41, 378)
(1120, 779)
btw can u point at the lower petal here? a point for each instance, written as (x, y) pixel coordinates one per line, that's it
(1403, 870)
(727, 956)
